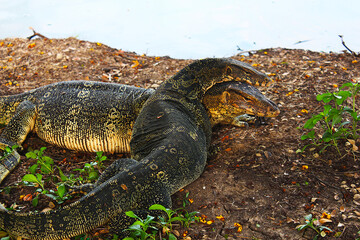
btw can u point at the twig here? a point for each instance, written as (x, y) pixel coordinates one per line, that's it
(343, 43)
(326, 183)
(36, 34)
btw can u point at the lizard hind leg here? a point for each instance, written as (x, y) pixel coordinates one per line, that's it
(15, 133)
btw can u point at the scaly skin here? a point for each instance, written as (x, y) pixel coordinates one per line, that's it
(169, 145)
(94, 116)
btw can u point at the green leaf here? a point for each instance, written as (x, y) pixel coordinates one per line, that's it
(326, 97)
(33, 168)
(30, 178)
(327, 136)
(312, 121)
(61, 190)
(131, 214)
(31, 155)
(327, 109)
(48, 160)
(172, 237)
(99, 154)
(35, 201)
(62, 175)
(180, 219)
(349, 84)
(39, 177)
(341, 96)
(308, 217)
(157, 207)
(310, 135)
(138, 223)
(93, 175)
(46, 168)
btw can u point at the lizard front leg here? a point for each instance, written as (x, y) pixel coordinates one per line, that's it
(14, 134)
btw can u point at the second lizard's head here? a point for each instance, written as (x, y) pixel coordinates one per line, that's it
(196, 78)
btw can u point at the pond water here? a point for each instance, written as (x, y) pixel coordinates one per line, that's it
(188, 28)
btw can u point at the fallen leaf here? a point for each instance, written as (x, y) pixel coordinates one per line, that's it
(51, 205)
(352, 142)
(46, 209)
(28, 198)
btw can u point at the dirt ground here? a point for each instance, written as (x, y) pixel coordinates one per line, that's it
(254, 178)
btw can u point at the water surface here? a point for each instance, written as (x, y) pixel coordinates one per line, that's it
(187, 28)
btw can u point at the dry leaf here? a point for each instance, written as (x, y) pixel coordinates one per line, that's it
(324, 220)
(333, 213)
(46, 209)
(352, 142)
(51, 205)
(176, 233)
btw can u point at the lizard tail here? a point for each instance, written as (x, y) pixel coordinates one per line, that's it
(7, 162)
(72, 220)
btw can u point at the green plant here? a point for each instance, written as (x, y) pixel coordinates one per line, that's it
(358, 237)
(338, 121)
(44, 171)
(147, 228)
(44, 162)
(309, 223)
(91, 170)
(8, 151)
(100, 158)
(141, 227)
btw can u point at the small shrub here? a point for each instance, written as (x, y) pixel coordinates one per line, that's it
(339, 119)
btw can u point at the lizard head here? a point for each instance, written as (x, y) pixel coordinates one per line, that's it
(235, 70)
(198, 77)
(227, 101)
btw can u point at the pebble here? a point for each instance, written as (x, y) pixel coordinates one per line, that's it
(59, 56)
(357, 197)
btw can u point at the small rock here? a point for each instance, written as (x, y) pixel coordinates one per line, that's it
(59, 56)
(353, 190)
(357, 197)
(340, 225)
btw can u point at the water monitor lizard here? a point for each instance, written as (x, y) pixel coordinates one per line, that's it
(169, 144)
(96, 116)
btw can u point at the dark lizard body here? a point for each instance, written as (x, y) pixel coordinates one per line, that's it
(94, 116)
(169, 145)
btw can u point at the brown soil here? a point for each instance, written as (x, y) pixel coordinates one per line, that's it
(255, 177)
